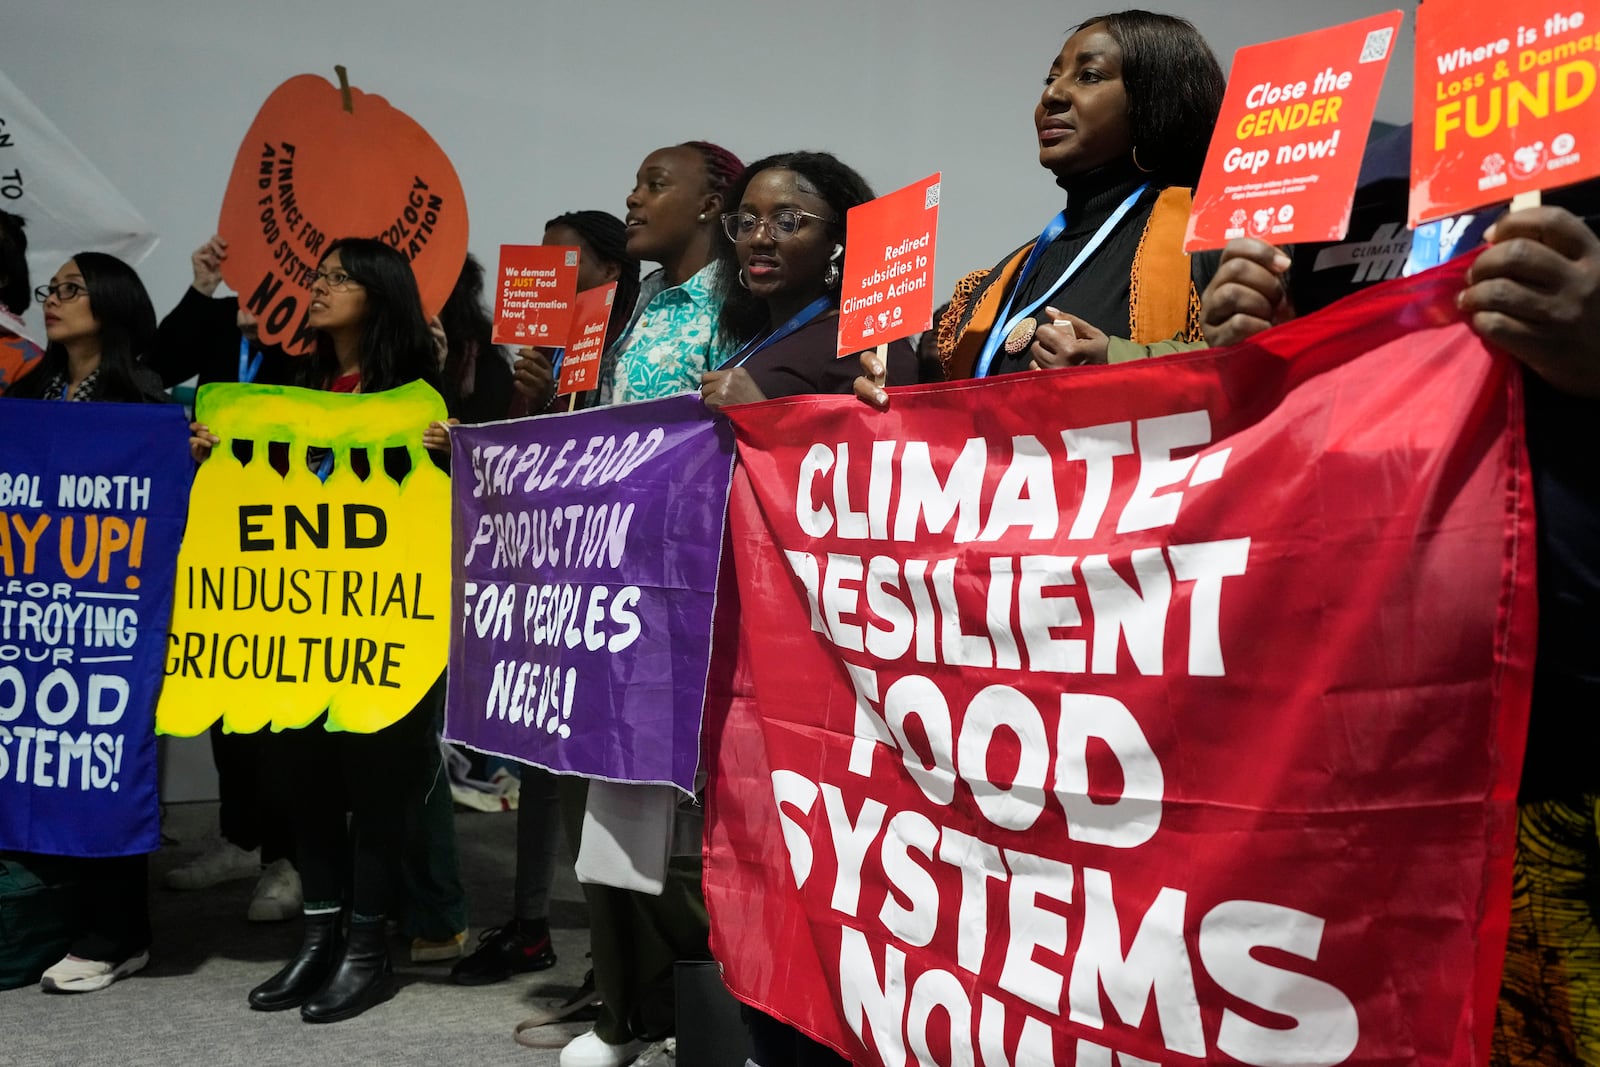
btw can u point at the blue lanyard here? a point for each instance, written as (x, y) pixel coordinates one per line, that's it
(803, 318)
(555, 364)
(249, 364)
(1006, 322)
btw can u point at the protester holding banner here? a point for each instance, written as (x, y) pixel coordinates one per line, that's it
(779, 280)
(1123, 123)
(16, 351)
(371, 336)
(672, 220)
(602, 243)
(99, 322)
(215, 340)
(1535, 294)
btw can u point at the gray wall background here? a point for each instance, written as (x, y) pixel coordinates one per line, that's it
(547, 107)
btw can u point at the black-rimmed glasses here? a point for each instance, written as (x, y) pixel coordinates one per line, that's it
(64, 292)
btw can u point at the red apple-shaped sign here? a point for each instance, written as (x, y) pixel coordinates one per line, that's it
(318, 164)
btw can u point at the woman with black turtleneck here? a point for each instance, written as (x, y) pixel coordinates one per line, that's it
(1123, 123)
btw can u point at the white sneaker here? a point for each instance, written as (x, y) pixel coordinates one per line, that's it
(663, 1053)
(587, 1050)
(277, 895)
(73, 975)
(224, 863)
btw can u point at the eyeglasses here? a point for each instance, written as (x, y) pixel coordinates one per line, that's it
(336, 280)
(740, 226)
(64, 292)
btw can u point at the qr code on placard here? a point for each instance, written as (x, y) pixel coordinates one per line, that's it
(1377, 46)
(932, 199)
(572, 259)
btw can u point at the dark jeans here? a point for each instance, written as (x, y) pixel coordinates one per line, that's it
(116, 908)
(373, 778)
(248, 814)
(776, 1044)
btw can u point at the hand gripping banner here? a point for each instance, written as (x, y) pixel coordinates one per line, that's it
(1162, 713)
(91, 508)
(296, 594)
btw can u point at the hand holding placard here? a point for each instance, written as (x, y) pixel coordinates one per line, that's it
(533, 294)
(887, 291)
(1286, 154)
(1505, 103)
(586, 341)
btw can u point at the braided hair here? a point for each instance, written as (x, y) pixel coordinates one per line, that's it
(608, 237)
(722, 166)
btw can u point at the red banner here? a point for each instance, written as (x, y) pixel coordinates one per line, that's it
(1173, 710)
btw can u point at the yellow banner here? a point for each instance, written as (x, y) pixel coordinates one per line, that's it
(314, 576)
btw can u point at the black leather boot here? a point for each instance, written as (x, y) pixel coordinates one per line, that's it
(362, 978)
(303, 975)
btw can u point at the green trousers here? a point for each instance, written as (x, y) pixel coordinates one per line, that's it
(433, 904)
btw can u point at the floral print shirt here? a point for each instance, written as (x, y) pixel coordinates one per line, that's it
(670, 343)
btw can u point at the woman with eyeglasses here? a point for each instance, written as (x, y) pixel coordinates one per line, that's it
(99, 325)
(1123, 124)
(781, 271)
(371, 336)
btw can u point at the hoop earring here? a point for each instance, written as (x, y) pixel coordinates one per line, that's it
(1141, 166)
(744, 280)
(831, 278)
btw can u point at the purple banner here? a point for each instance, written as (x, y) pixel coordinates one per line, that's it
(586, 552)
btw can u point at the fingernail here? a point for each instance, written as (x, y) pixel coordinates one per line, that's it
(1488, 235)
(1461, 299)
(1052, 310)
(881, 397)
(1280, 262)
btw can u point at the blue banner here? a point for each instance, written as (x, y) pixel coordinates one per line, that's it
(92, 505)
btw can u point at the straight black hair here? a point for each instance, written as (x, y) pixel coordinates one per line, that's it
(1174, 87)
(127, 321)
(396, 345)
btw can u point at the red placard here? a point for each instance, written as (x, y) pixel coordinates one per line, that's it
(1505, 102)
(888, 267)
(1169, 712)
(1287, 149)
(586, 342)
(317, 164)
(533, 300)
